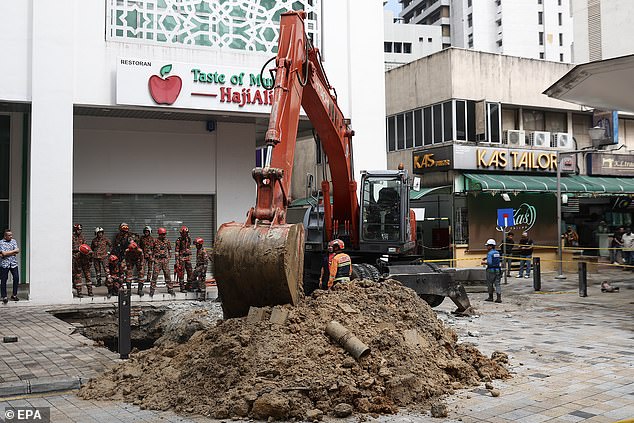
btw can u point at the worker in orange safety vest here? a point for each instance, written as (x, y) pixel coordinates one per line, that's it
(340, 264)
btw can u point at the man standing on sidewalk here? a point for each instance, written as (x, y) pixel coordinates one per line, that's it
(526, 255)
(493, 271)
(628, 249)
(9, 263)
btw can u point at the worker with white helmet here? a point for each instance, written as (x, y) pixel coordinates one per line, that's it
(493, 271)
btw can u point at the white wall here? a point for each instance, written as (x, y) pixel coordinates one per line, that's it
(134, 156)
(415, 34)
(51, 153)
(235, 153)
(15, 50)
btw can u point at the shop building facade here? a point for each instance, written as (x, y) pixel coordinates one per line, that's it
(477, 136)
(151, 112)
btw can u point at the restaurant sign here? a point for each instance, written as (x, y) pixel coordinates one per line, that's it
(477, 157)
(610, 164)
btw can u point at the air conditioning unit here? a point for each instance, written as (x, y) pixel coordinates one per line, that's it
(562, 141)
(515, 138)
(540, 139)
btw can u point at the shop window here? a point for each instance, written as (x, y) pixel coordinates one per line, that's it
(461, 120)
(493, 122)
(4, 170)
(169, 211)
(428, 130)
(400, 131)
(447, 118)
(418, 128)
(387, 47)
(437, 109)
(409, 130)
(391, 130)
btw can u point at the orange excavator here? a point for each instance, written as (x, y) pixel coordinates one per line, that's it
(275, 255)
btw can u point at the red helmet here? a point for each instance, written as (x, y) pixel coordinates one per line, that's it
(77, 226)
(162, 231)
(113, 258)
(132, 246)
(84, 248)
(184, 229)
(124, 227)
(199, 241)
(336, 244)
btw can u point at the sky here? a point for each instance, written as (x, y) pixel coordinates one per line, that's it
(394, 6)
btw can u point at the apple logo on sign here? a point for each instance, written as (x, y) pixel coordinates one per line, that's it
(165, 90)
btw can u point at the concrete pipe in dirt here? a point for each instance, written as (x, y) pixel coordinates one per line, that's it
(258, 265)
(347, 340)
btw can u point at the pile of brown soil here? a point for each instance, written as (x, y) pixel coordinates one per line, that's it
(279, 363)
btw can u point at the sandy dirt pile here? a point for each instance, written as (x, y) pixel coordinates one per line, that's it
(279, 363)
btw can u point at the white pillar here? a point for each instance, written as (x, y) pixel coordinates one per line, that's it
(235, 159)
(51, 165)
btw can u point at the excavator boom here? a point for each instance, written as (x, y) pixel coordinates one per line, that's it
(260, 261)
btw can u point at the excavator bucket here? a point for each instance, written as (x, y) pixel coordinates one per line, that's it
(258, 265)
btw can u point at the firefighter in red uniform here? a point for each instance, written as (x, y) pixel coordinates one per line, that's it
(340, 264)
(82, 268)
(134, 259)
(184, 256)
(116, 275)
(161, 253)
(200, 272)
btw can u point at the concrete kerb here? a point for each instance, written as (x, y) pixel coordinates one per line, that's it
(39, 386)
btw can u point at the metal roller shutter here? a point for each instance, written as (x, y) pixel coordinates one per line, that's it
(170, 211)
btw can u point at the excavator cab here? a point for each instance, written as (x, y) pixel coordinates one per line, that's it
(384, 212)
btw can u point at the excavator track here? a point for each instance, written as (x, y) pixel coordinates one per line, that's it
(258, 265)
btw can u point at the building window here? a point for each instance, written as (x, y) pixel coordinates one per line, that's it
(468, 3)
(561, 19)
(391, 138)
(561, 40)
(540, 18)
(409, 130)
(418, 128)
(387, 47)
(470, 20)
(499, 22)
(493, 122)
(428, 130)
(430, 39)
(561, 57)
(539, 1)
(400, 131)
(398, 47)
(558, 2)
(407, 48)
(447, 118)
(499, 42)
(437, 109)
(461, 120)
(470, 44)
(541, 38)
(541, 55)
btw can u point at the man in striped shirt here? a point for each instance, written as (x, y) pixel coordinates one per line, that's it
(9, 263)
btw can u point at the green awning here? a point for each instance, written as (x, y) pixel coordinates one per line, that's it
(417, 195)
(569, 184)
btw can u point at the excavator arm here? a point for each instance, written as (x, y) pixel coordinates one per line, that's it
(260, 262)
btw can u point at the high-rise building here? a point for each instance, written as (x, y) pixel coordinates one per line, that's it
(405, 43)
(538, 29)
(602, 29)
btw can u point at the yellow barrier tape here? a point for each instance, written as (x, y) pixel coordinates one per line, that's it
(579, 248)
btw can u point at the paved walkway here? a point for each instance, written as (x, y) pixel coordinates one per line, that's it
(572, 358)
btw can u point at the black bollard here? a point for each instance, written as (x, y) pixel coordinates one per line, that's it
(125, 345)
(537, 274)
(583, 279)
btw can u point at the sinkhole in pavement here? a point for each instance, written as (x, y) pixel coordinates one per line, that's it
(101, 324)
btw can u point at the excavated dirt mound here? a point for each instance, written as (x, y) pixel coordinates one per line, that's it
(279, 363)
